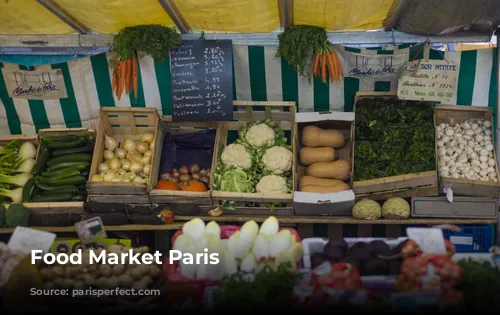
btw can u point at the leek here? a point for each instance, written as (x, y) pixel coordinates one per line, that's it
(17, 180)
(16, 195)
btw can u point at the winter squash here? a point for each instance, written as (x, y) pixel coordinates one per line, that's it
(195, 186)
(167, 184)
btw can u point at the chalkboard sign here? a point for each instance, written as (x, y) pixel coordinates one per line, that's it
(202, 80)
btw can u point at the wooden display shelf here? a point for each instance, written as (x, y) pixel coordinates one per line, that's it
(109, 228)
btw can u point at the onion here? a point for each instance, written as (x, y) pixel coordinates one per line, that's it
(139, 180)
(203, 172)
(129, 145)
(209, 172)
(145, 160)
(193, 169)
(195, 176)
(121, 172)
(147, 137)
(125, 164)
(184, 178)
(108, 176)
(97, 178)
(120, 153)
(114, 164)
(165, 176)
(109, 143)
(108, 155)
(175, 173)
(184, 170)
(205, 179)
(148, 153)
(136, 167)
(134, 156)
(103, 167)
(141, 147)
(130, 175)
(146, 169)
(116, 180)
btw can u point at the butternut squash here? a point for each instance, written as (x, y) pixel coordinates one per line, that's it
(309, 156)
(313, 136)
(315, 181)
(339, 169)
(325, 190)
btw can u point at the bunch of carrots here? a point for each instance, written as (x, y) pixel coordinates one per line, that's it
(125, 77)
(326, 62)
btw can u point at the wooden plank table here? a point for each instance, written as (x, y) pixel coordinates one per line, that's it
(114, 228)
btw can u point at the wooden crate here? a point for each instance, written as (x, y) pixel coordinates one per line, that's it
(159, 196)
(122, 123)
(466, 187)
(284, 114)
(70, 207)
(409, 185)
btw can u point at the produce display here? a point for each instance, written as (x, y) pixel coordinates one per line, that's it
(466, 150)
(62, 168)
(128, 163)
(17, 162)
(393, 208)
(393, 138)
(191, 178)
(103, 276)
(9, 259)
(13, 215)
(247, 250)
(259, 161)
(325, 174)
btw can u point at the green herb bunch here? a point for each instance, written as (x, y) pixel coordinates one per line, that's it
(153, 40)
(297, 45)
(393, 138)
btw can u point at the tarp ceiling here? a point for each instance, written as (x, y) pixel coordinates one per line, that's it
(252, 16)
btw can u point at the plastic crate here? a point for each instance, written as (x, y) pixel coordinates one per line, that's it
(472, 238)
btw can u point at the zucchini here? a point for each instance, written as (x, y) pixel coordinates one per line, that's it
(52, 139)
(84, 149)
(73, 180)
(46, 187)
(79, 141)
(41, 160)
(78, 197)
(68, 173)
(28, 189)
(68, 164)
(77, 157)
(61, 190)
(80, 167)
(55, 197)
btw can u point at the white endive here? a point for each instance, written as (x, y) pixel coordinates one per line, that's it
(201, 243)
(213, 228)
(181, 242)
(249, 263)
(202, 271)
(194, 228)
(285, 257)
(232, 242)
(247, 236)
(270, 226)
(280, 242)
(296, 251)
(230, 264)
(260, 247)
(188, 269)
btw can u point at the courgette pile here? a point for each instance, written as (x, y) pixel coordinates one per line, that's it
(61, 169)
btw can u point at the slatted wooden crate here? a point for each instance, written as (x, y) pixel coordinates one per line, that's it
(122, 123)
(409, 185)
(159, 196)
(69, 207)
(284, 114)
(453, 114)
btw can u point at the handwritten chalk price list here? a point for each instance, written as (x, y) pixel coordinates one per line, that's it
(428, 80)
(202, 81)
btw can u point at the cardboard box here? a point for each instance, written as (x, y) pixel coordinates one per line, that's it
(333, 204)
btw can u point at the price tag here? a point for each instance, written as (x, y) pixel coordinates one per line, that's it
(416, 301)
(91, 230)
(25, 240)
(430, 240)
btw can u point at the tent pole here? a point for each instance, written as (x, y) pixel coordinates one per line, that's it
(175, 15)
(497, 131)
(64, 16)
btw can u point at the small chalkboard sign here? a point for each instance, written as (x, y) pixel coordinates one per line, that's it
(202, 80)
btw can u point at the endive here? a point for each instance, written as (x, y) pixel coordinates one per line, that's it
(194, 228)
(230, 264)
(280, 242)
(249, 263)
(285, 257)
(232, 242)
(188, 270)
(213, 228)
(270, 226)
(260, 247)
(247, 236)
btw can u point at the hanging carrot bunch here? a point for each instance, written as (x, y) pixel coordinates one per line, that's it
(326, 63)
(125, 77)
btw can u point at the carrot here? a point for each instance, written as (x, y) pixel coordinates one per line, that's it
(135, 79)
(339, 64)
(323, 68)
(121, 77)
(128, 76)
(113, 80)
(330, 66)
(315, 64)
(334, 67)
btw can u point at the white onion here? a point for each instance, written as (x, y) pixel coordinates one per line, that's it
(491, 170)
(489, 147)
(145, 160)
(103, 167)
(136, 167)
(129, 145)
(440, 144)
(108, 176)
(97, 178)
(141, 147)
(108, 155)
(114, 164)
(109, 143)
(146, 169)
(121, 172)
(445, 139)
(125, 164)
(483, 158)
(483, 152)
(487, 124)
(491, 162)
(147, 137)
(148, 153)
(120, 153)
(483, 166)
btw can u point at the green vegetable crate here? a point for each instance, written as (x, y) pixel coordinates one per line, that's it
(161, 196)
(61, 171)
(279, 115)
(369, 155)
(121, 124)
(453, 114)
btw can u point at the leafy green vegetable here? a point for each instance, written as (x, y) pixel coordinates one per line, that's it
(393, 138)
(17, 215)
(233, 179)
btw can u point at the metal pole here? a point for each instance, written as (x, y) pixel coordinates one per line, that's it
(175, 15)
(497, 56)
(64, 16)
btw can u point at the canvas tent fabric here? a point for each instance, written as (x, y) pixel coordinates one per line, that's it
(258, 76)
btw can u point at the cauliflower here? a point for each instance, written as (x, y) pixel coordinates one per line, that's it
(366, 209)
(237, 155)
(396, 208)
(260, 135)
(277, 160)
(272, 184)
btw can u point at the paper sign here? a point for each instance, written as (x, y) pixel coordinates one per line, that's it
(26, 239)
(91, 230)
(428, 80)
(35, 85)
(430, 240)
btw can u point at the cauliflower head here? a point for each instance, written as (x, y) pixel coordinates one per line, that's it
(237, 155)
(260, 135)
(366, 209)
(277, 160)
(272, 184)
(396, 208)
